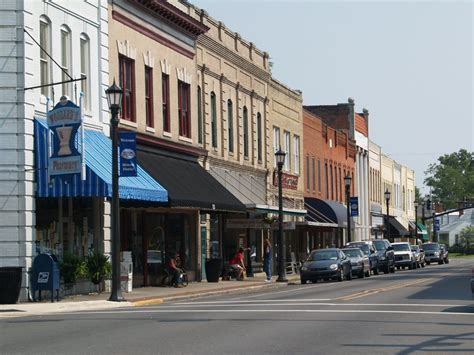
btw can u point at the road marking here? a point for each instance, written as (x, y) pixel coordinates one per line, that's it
(256, 301)
(293, 303)
(274, 311)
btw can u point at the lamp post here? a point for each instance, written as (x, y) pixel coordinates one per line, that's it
(347, 183)
(280, 159)
(114, 98)
(387, 200)
(416, 221)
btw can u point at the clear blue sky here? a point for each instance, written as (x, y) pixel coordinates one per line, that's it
(410, 63)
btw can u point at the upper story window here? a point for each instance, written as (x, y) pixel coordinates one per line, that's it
(230, 122)
(213, 120)
(45, 43)
(287, 165)
(307, 173)
(319, 175)
(127, 83)
(259, 136)
(149, 97)
(313, 166)
(184, 109)
(165, 97)
(296, 152)
(199, 104)
(246, 132)
(85, 70)
(66, 60)
(276, 143)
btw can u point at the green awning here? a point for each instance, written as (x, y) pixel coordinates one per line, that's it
(422, 231)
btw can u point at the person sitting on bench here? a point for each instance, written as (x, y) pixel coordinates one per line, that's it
(174, 270)
(236, 264)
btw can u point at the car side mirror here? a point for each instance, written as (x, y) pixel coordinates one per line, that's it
(422, 251)
(390, 248)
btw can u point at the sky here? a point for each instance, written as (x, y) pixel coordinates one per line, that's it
(410, 63)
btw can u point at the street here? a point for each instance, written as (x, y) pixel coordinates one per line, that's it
(426, 310)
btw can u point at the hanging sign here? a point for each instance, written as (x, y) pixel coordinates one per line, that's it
(354, 204)
(64, 120)
(128, 153)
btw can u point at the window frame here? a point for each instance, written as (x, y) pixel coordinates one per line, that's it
(184, 109)
(213, 120)
(259, 137)
(45, 64)
(200, 115)
(127, 113)
(287, 148)
(296, 152)
(276, 143)
(245, 127)
(85, 70)
(149, 111)
(230, 124)
(165, 102)
(66, 60)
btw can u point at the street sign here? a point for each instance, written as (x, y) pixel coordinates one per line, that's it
(354, 204)
(436, 225)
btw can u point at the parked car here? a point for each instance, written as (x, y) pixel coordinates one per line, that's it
(445, 253)
(403, 255)
(359, 262)
(433, 253)
(386, 255)
(419, 255)
(330, 263)
(368, 249)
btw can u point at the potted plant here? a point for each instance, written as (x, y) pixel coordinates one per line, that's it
(72, 268)
(98, 268)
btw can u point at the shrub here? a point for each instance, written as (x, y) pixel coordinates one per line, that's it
(72, 267)
(98, 267)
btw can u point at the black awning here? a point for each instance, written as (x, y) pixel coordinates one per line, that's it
(397, 228)
(325, 211)
(188, 184)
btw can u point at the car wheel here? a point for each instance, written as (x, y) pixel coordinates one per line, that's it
(428, 262)
(303, 281)
(376, 270)
(349, 275)
(422, 264)
(386, 270)
(392, 270)
(361, 274)
(446, 261)
(341, 276)
(410, 267)
(398, 267)
(440, 262)
(367, 273)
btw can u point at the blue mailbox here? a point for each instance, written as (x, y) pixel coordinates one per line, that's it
(45, 275)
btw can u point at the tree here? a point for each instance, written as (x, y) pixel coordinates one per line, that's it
(452, 178)
(467, 238)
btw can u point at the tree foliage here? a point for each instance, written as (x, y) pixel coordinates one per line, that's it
(452, 178)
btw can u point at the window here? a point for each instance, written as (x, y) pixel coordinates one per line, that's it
(276, 143)
(66, 60)
(307, 173)
(319, 176)
(85, 70)
(149, 97)
(259, 136)
(230, 122)
(45, 43)
(296, 151)
(127, 82)
(327, 180)
(183, 109)
(199, 102)
(213, 120)
(314, 174)
(246, 132)
(332, 183)
(287, 164)
(165, 98)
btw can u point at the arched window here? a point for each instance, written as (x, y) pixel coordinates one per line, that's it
(230, 122)
(85, 69)
(213, 120)
(259, 136)
(246, 132)
(66, 59)
(199, 102)
(45, 43)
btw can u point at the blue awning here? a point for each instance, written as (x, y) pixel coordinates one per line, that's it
(98, 182)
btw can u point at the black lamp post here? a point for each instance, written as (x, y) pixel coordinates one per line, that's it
(416, 221)
(114, 98)
(387, 200)
(347, 183)
(280, 160)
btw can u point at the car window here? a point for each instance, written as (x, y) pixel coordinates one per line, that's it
(401, 247)
(353, 252)
(380, 245)
(430, 246)
(323, 255)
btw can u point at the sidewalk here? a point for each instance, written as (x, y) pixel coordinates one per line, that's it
(139, 297)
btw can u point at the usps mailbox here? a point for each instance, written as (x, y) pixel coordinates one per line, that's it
(46, 275)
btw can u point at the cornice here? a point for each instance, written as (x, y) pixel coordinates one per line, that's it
(236, 59)
(213, 161)
(285, 90)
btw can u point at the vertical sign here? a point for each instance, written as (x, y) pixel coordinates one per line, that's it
(128, 156)
(354, 205)
(64, 120)
(436, 225)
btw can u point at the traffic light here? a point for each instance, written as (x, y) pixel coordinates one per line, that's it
(428, 204)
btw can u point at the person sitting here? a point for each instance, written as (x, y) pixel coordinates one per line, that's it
(236, 264)
(174, 270)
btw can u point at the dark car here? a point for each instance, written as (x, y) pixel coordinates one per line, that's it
(433, 253)
(359, 262)
(330, 263)
(386, 256)
(368, 249)
(445, 253)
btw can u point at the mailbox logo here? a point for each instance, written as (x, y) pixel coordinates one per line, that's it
(43, 277)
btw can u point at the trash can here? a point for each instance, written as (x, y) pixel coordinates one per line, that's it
(10, 284)
(213, 269)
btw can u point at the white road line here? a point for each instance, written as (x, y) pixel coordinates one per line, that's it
(189, 311)
(257, 301)
(293, 303)
(301, 288)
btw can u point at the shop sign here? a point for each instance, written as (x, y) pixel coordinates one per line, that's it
(64, 121)
(246, 224)
(287, 226)
(128, 153)
(288, 181)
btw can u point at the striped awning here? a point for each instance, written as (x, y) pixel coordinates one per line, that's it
(98, 181)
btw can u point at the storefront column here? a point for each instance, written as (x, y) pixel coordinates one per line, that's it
(106, 243)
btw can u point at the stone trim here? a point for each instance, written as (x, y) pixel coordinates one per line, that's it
(149, 59)
(184, 75)
(165, 66)
(125, 48)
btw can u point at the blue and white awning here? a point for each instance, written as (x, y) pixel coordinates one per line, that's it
(98, 181)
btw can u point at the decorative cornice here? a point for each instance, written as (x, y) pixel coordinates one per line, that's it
(234, 58)
(285, 90)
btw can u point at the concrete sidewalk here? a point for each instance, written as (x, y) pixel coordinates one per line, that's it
(139, 297)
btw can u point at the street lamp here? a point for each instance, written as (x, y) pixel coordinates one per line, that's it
(280, 160)
(416, 221)
(347, 183)
(114, 98)
(387, 200)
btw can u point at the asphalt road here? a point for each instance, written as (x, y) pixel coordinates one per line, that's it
(427, 310)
